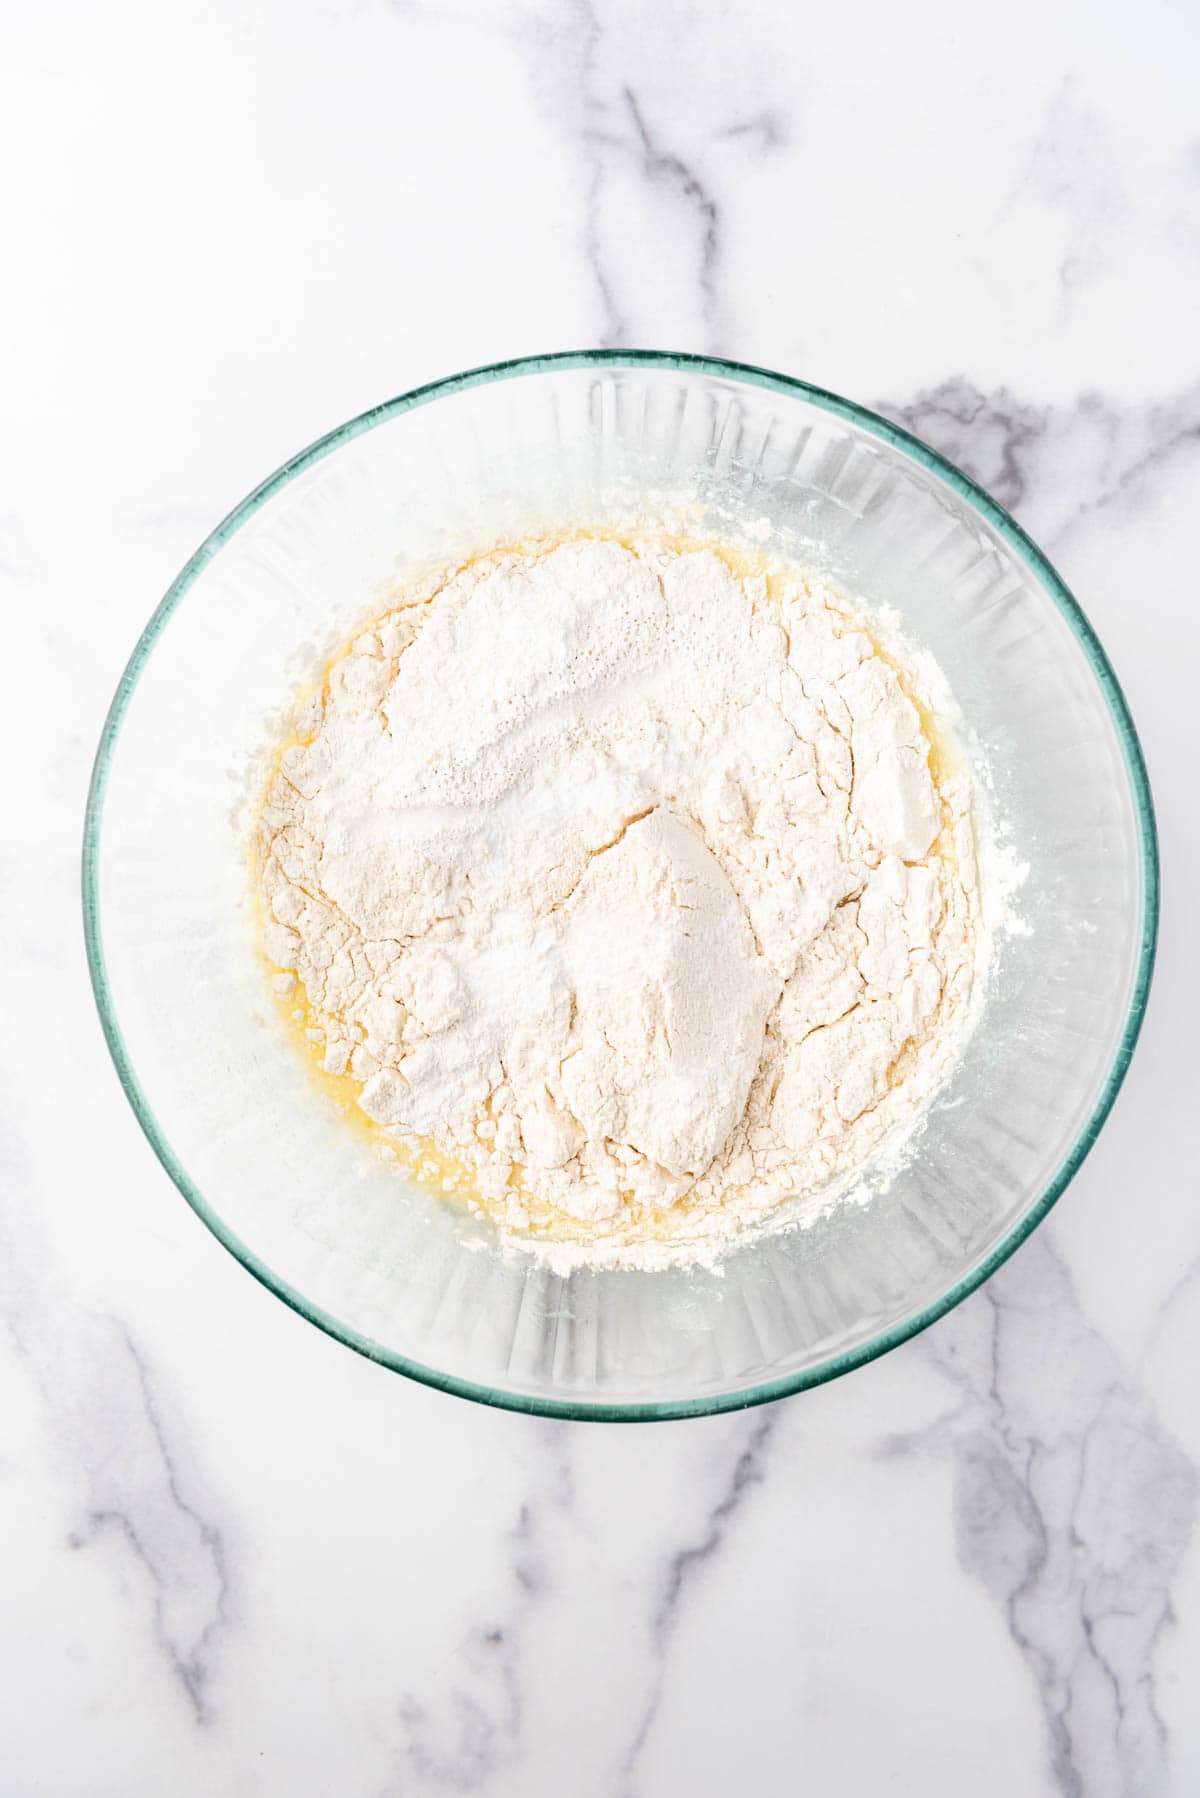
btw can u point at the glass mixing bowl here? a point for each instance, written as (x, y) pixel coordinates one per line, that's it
(229, 1108)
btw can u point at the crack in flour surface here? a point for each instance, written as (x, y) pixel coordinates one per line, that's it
(639, 885)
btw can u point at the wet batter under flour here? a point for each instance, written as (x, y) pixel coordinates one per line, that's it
(632, 882)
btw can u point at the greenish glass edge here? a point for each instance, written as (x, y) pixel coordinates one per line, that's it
(1026, 550)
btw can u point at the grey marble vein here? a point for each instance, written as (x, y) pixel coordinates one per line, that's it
(650, 209)
(668, 171)
(1182, 1289)
(594, 140)
(1056, 466)
(1074, 1508)
(989, 436)
(747, 1472)
(138, 1493)
(766, 130)
(472, 1730)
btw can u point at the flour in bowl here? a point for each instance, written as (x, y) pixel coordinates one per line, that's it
(634, 887)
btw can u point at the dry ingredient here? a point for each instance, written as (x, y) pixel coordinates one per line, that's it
(636, 886)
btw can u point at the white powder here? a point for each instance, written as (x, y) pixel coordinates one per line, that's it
(629, 883)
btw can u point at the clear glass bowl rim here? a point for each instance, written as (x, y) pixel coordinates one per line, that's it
(1017, 541)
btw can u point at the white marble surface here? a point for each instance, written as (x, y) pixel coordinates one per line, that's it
(239, 1560)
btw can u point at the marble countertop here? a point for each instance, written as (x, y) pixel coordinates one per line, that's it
(240, 1560)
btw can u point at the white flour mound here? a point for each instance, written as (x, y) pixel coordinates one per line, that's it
(629, 883)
